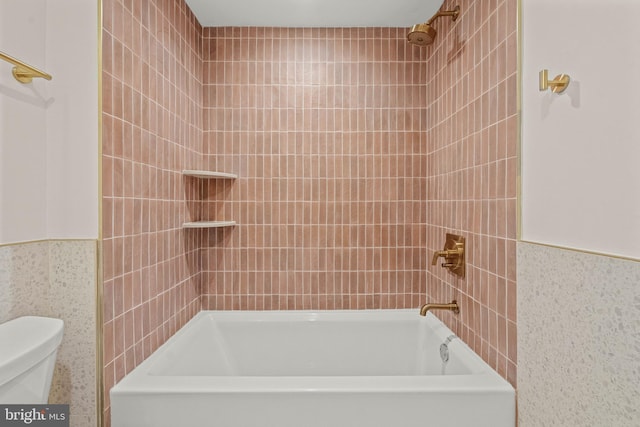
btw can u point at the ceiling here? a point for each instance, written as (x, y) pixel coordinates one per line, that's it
(313, 13)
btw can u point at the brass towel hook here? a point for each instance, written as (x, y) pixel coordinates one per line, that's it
(557, 85)
(23, 72)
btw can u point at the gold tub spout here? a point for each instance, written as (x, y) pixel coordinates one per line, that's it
(453, 306)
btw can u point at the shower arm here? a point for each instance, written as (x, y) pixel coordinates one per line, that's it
(453, 13)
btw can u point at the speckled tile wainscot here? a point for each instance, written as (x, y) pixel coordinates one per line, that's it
(24, 280)
(578, 338)
(72, 269)
(58, 279)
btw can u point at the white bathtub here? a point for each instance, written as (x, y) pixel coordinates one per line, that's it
(313, 369)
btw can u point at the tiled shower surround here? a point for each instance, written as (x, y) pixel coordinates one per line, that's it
(355, 152)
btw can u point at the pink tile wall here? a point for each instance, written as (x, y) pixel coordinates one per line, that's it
(326, 129)
(472, 161)
(152, 129)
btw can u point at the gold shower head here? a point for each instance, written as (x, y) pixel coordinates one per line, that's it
(421, 34)
(424, 34)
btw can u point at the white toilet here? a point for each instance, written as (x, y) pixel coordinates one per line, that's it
(28, 348)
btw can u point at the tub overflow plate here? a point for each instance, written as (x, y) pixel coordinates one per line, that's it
(444, 349)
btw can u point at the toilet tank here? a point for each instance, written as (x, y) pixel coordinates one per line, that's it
(28, 348)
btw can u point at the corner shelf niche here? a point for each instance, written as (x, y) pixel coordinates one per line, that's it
(208, 224)
(208, 174)
(202, 174)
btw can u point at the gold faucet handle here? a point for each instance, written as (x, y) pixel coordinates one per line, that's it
(436, 255)
(447, 253)
(453, 254)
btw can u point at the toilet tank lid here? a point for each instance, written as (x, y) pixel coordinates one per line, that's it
(25, 341)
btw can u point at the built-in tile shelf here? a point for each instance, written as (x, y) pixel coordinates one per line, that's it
(208, 174)
(208, 224)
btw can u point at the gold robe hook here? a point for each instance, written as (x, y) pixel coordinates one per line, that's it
(557, 85)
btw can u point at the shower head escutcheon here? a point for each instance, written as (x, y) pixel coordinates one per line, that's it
(424, 34)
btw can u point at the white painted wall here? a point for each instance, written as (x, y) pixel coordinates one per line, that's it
(23, 156)
(49, 129)
(581, 149)
(72, 119)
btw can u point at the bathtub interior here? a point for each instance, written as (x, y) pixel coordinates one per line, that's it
(314, 344)
(314, 369)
